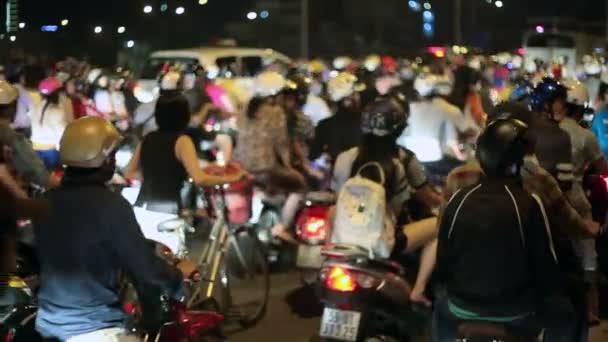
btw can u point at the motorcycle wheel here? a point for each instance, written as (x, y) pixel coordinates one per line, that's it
(245, 279)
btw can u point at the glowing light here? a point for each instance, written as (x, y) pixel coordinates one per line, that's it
(180, 10)
(427, 6)
(65, 22)
(264, 14)
(428, 15)
(203, 2)
(49, 28)
(130, 44)
(540, 29)
(252, 15)
(13, 38)
(498, 4)
(22, 25)
(98, 29)
(147, 9)
(414, 5)
(164, 7)
(121, 30)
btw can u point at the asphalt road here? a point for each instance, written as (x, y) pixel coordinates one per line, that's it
(299, 322)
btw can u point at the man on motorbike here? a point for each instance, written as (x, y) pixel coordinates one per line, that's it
(341, 131)
(552, 142)
(434, 126)
(21, 156)
(495, 255)
(586, 156)
(84, 244)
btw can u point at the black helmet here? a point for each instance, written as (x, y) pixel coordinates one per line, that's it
(298, 86)
(383, 117)
(502, 145)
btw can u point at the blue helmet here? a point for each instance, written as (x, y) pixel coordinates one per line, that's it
(521, 91)
(546, 91)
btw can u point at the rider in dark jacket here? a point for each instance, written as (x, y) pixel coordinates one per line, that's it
(90, 236)
(496, 256)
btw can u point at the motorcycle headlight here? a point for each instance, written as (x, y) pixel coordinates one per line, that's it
(171, 226)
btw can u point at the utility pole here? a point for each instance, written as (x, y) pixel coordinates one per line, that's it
(304, 28)
(458, 22)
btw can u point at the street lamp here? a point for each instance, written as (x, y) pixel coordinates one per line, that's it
(203, 2)
(65, 22)
(121, 30)
(98, 29)
(13, 38)
(147, 9)
(498, 4)
(264, 14)
(180, 10)
(130, 44)
(427, 6)
(252, 15)
(22, 25)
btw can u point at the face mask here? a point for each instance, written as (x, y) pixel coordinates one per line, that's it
(530, 166)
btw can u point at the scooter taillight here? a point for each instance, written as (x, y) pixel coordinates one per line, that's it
(312, 224)
(313, 228)
(341, 280)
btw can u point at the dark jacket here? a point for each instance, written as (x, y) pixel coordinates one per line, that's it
(90, 236)
(553, 149)
(489, 262)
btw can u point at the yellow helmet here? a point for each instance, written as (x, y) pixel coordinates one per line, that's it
(87, 142)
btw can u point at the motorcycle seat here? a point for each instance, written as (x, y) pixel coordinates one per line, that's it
(475, 331)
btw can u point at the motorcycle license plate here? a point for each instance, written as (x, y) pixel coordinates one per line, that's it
(340, 324)
(309, 257)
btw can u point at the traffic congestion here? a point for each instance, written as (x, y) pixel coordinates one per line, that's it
(228, 193)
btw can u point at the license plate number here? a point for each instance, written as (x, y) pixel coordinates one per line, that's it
(309, 257)
(340, 324)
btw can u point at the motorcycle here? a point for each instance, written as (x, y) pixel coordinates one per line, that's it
(311, 227)
(364, 298)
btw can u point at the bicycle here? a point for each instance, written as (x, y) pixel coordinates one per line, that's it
(231, 254)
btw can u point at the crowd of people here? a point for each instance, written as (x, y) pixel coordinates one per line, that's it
(502, 150)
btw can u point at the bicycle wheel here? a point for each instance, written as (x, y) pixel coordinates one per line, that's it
(246, 278)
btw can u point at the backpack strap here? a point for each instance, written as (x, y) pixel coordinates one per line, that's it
(374, 164)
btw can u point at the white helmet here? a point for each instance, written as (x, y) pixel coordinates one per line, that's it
(342, 86)
(341, 62)
(429, 84)
(8, 93)
(578, 94)
(517, 61)
(93, 75)
(269, 83)
(593, 67)
(171, 81)
(372, 63)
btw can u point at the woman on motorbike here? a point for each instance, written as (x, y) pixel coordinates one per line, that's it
(49, 119)
(167, 158)
(382, 123)
(466, 94)
(263, 145)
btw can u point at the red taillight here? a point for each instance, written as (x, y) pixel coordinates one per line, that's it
(341, 280)
(605, 179)
(314, 228)
(312, 223)
(129, 308)
(196, 323)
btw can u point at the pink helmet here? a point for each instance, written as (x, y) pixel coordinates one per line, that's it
(49, 85)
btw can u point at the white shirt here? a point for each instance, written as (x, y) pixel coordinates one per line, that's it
(433, 127)
(48, 130)
(316, 108)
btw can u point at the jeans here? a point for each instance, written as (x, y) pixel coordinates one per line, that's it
(51, 158)
(556, 315)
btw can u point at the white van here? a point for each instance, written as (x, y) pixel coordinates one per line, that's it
(239, 64)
